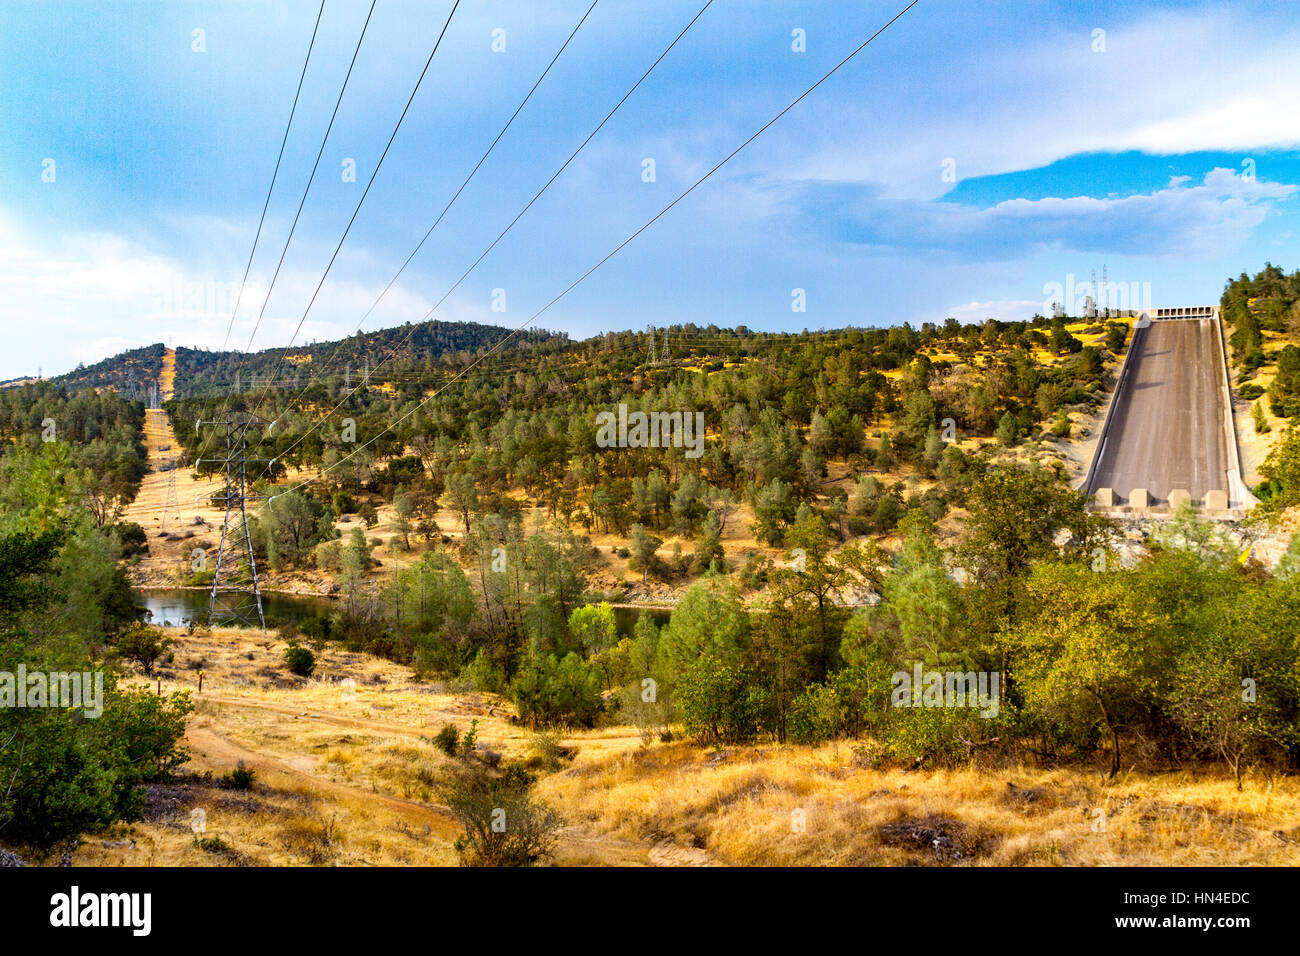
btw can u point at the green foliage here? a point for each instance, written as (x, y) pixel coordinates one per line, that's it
(504, 824)
(241, 778)
(300, 660)
(448, 739)
(289, 527)
(142, 645)
(548, 692)
(1281, 470)
(717, 702)
(1008, 429)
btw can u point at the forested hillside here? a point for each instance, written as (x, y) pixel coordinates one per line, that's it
(130, 373)
(94, 434)
(1264, 315)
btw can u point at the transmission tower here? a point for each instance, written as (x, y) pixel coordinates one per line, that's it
(171, 506)
(235, 597)
(653, 359)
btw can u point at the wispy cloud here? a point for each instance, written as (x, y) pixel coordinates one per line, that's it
(1183, 219)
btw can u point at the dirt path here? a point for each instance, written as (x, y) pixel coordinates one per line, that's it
(381, 726)
(577, 845)
(170, 501)
(218, 752)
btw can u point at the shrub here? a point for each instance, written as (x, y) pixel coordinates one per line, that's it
(143, 645)
(134, 541)
(241, 778)
(301, 660)
(716, 702)
(504, 825)
(448, 739)
(816, 715)
(548, 692)
(212, 844)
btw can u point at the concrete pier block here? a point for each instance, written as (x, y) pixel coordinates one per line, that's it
(1105, 497)
(1216, 500)
(1139, 498)
(1178, 496)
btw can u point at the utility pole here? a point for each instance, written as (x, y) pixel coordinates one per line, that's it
(171, 507)
(235, 598)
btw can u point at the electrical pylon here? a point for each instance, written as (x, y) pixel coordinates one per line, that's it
(235, 598)
(171, 506)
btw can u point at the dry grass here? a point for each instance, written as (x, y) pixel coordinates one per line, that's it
(351, 779)
(763, 806)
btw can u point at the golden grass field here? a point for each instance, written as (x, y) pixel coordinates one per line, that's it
(347, 775)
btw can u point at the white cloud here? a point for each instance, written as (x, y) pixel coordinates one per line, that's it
(1005, 310)
(1023, 105)
(1200, 220)
(86, 296)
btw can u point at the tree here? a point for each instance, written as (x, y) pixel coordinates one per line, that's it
(143, 645)
(403, 508)
(1008, 429)
(463, 489)
(710, 619)
(1016, 517)
(354, 562)
(774, 507)
(1092, 653)
(290, 525)
(594, 628)
(716, 703)
(708, 546)
(644, 546)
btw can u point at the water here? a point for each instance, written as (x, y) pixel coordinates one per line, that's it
(177, 607)
(626, 618)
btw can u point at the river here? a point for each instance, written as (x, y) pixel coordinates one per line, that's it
(177, 607)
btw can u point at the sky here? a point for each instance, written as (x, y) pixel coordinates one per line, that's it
(975, 160)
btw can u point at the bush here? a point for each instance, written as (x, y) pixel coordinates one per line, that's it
(301, 660)
(65, 775)
(504, 825)
(142, 645)
(716, 702)
(816, 715)
(548, 692)
(134, 541)
(241, 778)
(448, 739)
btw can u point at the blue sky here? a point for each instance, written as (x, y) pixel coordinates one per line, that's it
(967, 160)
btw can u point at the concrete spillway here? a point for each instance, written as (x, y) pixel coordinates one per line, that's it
(1169, 434)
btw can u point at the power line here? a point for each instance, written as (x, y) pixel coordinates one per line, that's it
(456, 196)
(274, 175)
(370, 183)
(634, 235)
(312, 177)
(529, 205)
